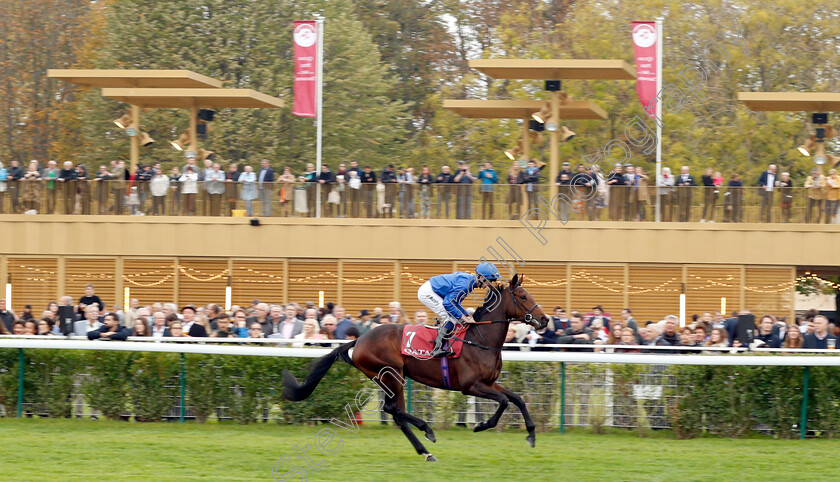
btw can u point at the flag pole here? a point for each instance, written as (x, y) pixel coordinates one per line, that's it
(318, 118)
(659, 48)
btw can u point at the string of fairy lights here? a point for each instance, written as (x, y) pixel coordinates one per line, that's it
(249, 275)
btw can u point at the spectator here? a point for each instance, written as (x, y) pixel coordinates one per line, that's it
(91, 321)
(709, 196)
(50, 174)
(286, 181)
(4, 186)
(19, 328)
(90, 298)
(630, 322)
(532, 179)
(310, 332)
(365, 322)
(45, 327)
(516, 178)
(329, 201)
(176, 330)
(421, 317)
(464, 178)
(793, 338)
(141, 327)
(576, 334)
(213, 311)
(191, 327)
(701, 336)
(599, 316)
(718, 338)
(289, 326)
(159, 321)
(443, 181)
(600, 332)
(616, 189)
(628, 337)
(214, 185)
(769, 182)
(640, 194)
(223, 328)
(26, 314)
(261, 317)
(266, 187)
(159, 186)
(353, 333)
(815, 185)
(249, 189)
(684, 183)
(734, 197)
(117, 183)
(232, 187)
(344, 323)
(189, 190)
(666, 194)
(820, 338)
(368, 180)
(14, 178)
(560, 320)
(786, 196)
(6, 316)
(110, 330)
(425, 180)
(669, 336)
(32, 188)
(4, 330)
(329, 324)
(174, 181)
(766, 336)
(30, 327)
(255, 331)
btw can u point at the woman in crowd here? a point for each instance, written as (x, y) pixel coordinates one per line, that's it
(718, 338)
(159, 187)
(248, 179)
(102, 188)
(189, 189)
(176, 330)
(515, 180)
(53, 307)
(45, 327)
(174, 179)
(4, 176)
(286, 183)
(832, 196)
(786, 196)
(141, 328)
(734, 196)
(628, 337)
(640, 193)
(765, 332)
(32, 187)
(793, 338)
(311, 331)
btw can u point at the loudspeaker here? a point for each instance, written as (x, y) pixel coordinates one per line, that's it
(745, 330)
(206, 115)
(552, 85)
(66, 318)
(537, 126)
(255, 221)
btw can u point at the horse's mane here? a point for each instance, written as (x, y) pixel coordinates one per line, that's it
(488, 302)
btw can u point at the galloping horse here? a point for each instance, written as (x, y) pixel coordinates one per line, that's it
(473, 373)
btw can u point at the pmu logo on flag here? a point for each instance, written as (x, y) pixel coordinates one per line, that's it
(306, 67)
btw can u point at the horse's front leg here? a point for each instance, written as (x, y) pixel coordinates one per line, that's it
(520, 404)
(482, 390)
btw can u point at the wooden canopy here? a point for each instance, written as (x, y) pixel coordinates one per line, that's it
(791, 101)
(554, 69)
(520, 109)
(186, 98)
(134, 78)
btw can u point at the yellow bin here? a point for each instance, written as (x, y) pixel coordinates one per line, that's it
(238, 213)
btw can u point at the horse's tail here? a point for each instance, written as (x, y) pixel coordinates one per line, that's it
(294, 391)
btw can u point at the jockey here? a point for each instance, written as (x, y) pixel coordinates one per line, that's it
(443, 295)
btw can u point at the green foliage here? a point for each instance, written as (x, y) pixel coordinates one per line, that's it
(153, 385)
(107, 388)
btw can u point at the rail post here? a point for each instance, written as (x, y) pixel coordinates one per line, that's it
(562, 397)
(803, 418)
(183, 389)
(20, 383)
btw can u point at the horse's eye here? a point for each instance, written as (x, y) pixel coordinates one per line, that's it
(523, 297)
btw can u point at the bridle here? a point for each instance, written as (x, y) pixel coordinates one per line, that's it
(527, 318)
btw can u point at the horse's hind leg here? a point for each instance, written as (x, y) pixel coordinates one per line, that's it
(392, 407)
(520, 404)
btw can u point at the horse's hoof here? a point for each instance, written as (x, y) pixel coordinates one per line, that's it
(532, 440)
(480, 427)
(431, 458)
(430, 436)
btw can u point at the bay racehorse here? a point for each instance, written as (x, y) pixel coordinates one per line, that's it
(377, 353)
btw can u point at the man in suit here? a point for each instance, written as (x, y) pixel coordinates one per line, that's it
(91, 322)
(67, 180)
(768, 182)
(6, 316)
(289, 325)
(261, 317)
(821, 338)
(684, 183)
(190, 326)
(344, 323)
(159, 328)
(118, 187)
(265, 183)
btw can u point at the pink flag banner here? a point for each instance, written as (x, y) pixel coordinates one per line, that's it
(644, 41)
(306, 68)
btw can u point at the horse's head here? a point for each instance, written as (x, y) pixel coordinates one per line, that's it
(520, 305)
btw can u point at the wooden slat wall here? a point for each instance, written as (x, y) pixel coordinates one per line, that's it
(769, 291)
(99, 272)
(308, 277)
(202, 281)
(597, 285)
(654, 292)
(150, 280)
(546, 283)
(260, 280)
(705, 287)
(34, 282)
(366, 283)
(412, 275)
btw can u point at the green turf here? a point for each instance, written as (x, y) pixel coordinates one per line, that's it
(39, 449)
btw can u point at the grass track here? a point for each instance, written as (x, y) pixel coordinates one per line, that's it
(36, 449)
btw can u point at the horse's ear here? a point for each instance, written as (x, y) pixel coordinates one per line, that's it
(522, 280)
(515, 281)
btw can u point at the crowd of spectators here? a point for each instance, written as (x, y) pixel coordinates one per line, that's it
(306, 324)
(711, 329)
(210, 189)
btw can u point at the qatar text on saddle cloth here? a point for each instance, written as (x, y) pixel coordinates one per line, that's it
(418, 340)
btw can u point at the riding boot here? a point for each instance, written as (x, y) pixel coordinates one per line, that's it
(438, 350)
